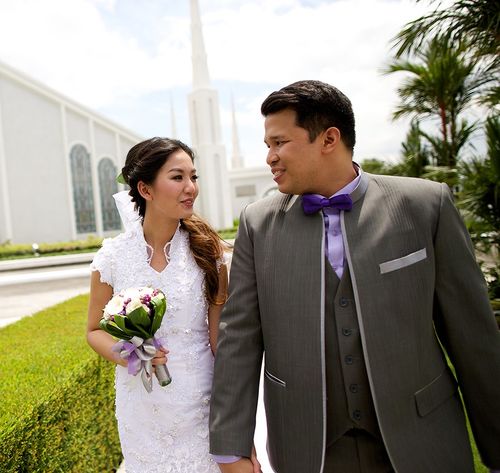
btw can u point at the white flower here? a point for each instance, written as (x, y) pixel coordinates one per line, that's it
(132, 305)
(113, 307)
(131, 293)
(146, 290)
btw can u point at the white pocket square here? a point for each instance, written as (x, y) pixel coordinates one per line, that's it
(399, 263)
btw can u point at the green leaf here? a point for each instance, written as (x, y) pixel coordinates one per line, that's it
(139, 318)
(111, 328)
(129, 328)
(159, 307)
(120, 179)
(120, 322)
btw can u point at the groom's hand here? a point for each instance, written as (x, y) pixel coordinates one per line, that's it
(241, 466)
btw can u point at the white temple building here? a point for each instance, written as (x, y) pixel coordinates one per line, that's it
(59, 159)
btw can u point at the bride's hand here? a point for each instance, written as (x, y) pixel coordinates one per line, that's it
(160, 357)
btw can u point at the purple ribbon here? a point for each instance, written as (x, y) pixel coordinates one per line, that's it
(127, 351)
(311, 203)
(139, 353)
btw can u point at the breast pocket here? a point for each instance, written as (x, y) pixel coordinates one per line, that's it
(403, 262)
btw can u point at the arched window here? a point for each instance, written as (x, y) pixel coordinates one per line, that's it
(83, 195)
(107, 187)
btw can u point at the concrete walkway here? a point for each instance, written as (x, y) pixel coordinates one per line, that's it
(30, 285)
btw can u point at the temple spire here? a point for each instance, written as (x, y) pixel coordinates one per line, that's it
(214, 199)
(201, 77)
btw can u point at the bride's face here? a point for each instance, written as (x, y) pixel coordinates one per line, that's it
(175, 189)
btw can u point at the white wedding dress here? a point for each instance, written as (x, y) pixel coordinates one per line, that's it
(166, 430)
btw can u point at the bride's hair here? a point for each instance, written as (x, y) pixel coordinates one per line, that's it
(143, 162)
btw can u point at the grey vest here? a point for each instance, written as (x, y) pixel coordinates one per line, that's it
(349, 401)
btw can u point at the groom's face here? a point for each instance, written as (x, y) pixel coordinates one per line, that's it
(295, 161)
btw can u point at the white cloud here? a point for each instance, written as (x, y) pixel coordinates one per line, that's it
(68, 45)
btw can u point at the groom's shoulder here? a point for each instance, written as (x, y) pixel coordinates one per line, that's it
(409, 186)
(268, 206)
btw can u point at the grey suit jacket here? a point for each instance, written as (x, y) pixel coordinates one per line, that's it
(417, 289)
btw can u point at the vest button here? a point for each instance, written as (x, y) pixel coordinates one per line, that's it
(346, 331)
(349, 359)
(356, 415)
(354, 388)
(343, 302)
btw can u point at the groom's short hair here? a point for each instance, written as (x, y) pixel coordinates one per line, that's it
(318, 106)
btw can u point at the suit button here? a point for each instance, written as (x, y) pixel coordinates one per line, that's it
(349, 359)
(354, 388)
(356, 415)
(343, 302)
(346, 331)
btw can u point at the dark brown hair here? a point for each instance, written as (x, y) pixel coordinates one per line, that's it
(318, 106)
(143, 162)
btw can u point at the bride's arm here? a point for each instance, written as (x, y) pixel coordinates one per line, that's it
(100, 341)
(215, 309)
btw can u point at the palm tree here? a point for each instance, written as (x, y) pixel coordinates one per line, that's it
(480, 195)
(415, 153)
(472, 22)
(439, 148)
(442, 83)
(479, 201)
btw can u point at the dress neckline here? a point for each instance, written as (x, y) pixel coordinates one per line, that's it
(169, 249)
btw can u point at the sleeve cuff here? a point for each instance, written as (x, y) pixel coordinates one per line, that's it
(226, 458)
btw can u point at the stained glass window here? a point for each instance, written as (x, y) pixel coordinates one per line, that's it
(83, 196)
(107, 187)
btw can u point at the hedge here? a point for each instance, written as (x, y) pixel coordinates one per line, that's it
(9, 250)
(56, 396)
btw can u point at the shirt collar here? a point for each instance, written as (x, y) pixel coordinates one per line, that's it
(351, 186)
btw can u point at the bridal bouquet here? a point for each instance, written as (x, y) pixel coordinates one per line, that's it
(134, 315)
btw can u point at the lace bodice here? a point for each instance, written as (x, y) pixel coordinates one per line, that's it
(123, 262)
(166, 430)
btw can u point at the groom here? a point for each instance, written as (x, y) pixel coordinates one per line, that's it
(353, 286)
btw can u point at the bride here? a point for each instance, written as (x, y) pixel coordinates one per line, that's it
(167, 247)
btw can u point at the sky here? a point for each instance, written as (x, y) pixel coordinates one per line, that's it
(130, 60)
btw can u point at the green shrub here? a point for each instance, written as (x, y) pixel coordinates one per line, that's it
(57, 396)
(9, 250)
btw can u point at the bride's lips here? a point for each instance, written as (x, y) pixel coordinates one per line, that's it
(188, 203)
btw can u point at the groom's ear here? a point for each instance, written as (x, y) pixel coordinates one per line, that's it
(331, 139)
(144, 190)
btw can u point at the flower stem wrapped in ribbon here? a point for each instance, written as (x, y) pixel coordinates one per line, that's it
(134, 316)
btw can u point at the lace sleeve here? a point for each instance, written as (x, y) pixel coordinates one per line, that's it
(103, 262)
(225, 259)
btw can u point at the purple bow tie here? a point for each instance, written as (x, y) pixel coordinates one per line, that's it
(311, 203)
